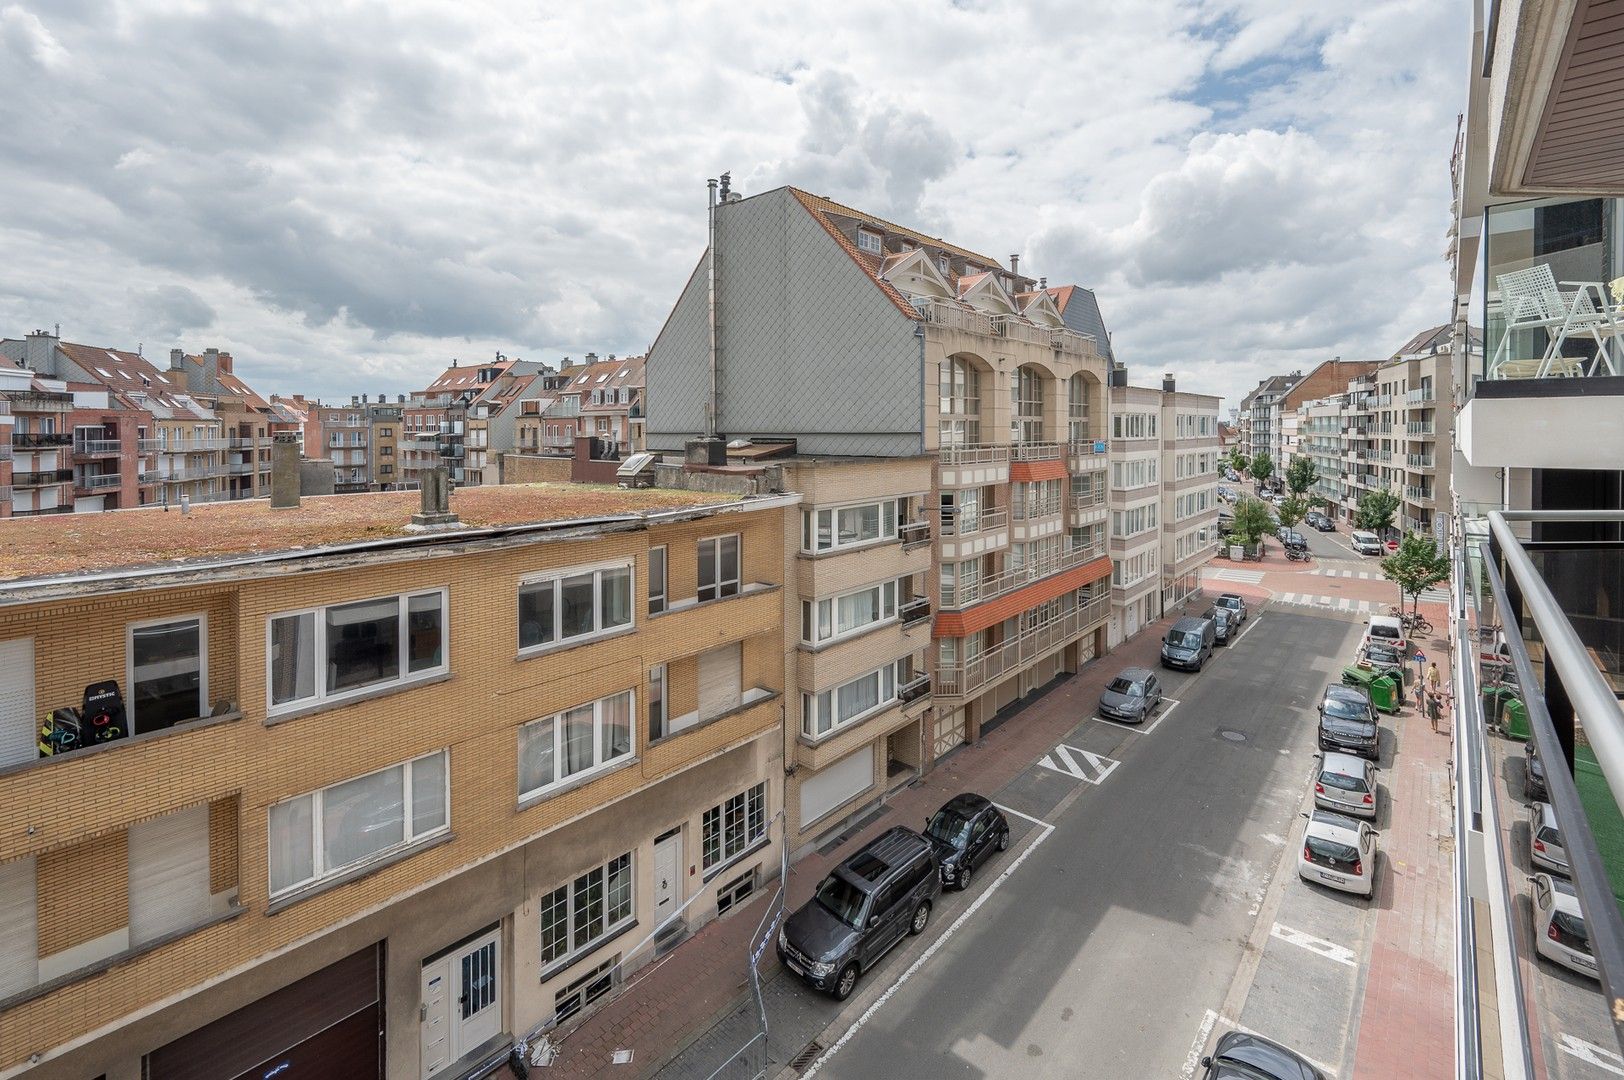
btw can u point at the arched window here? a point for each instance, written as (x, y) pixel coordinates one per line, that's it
(1077, 429)
(960, 403)
(1026, 406)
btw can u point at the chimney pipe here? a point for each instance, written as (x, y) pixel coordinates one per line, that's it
(1014, 265)
(710, 261)
(1168, 386)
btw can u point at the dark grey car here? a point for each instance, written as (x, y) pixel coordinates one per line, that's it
(1132, 696)
(866, 905)
(965, 832)
(1534, 774)
(1241, 1055)
(1233, 603)
(1347, 722)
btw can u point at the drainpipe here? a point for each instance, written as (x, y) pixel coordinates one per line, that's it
(710, 409)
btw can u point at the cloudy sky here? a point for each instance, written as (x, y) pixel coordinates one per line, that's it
(346, 196)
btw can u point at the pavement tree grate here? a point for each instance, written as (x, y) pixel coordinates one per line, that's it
(803, 1061)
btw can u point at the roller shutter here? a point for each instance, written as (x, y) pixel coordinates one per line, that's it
(169, 874)
(719, 681)
(19, 926)
(19, 727)
(845, 779)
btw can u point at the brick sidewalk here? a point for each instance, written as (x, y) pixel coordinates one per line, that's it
(1406, 1023)
(678, 998)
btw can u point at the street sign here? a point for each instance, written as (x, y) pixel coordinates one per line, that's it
(1420, 656)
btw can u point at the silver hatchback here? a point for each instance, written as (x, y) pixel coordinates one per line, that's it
(1545, 838)
(1346, 784)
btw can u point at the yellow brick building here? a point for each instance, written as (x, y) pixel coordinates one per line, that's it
(446, 787)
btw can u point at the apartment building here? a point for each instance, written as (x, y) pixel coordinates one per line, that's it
(383, 433)
(1190, 464)
(1136, 456)
(946, 423)
(492, 418)
(434, 422)
(1260, 415)
(337, 798)
(140, 434)
(342, 435)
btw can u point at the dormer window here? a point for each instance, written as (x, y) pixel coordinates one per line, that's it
(869, 242)
(941, 263)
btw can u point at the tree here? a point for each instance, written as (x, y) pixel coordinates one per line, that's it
(1237, 460)
(1262, 468)
(1376, 510)
(1301, 474)
(1418, 565)
(1291, 510)
(1252, 520)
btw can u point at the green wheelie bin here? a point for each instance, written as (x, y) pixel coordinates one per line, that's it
(1516, 720)
(1384, 694)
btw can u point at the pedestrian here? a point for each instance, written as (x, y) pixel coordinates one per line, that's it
(1434, 709)
(1433, 678)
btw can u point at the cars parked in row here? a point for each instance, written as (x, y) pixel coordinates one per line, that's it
(1534, 774)
(1348, 722)
(1234, 603)
(1386, 630)
(1545, 838)
(1346, 784)
(1224, 624)
(1188, 643)
(1131, 697)
(1240, 1055)
(865, 906)
(1316, 520)
(1339, 852)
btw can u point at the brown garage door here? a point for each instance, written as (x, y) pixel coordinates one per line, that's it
(326, 1025)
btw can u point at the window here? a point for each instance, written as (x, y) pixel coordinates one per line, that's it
(577, 741)
(331, 830)
(837, 616)
(959, 391)
(1077, 428)
(585, 990)
(718, 567)
(869, 242)
(657, 716)
(594, 905)
(360, 646)
(728, 830)
(573, 606)
(168, 674)
(823, 712)
(827, 529)
(1026, 406)
(656, 580)
(735, 893)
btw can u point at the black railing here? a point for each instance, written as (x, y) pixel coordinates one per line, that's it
(42, 477)
(35, 439)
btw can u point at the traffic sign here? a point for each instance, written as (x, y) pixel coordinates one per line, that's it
(1420, 656)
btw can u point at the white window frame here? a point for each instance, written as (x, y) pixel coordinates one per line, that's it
(721, 587)
(812, 544)
(822, 616)
(871, 242)
(202, 618)
(556, 577)
(319, 871)
(321, 697)
(606, 930)
(600, 764)
(820, 705)
(724, 852)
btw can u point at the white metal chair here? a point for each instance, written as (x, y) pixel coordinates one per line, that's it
(1531, 300)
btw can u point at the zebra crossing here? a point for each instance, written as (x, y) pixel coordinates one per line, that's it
(1240, 577)
(1428, 596)
(1341, 604)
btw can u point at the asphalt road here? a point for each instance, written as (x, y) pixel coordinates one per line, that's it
(1100, 955)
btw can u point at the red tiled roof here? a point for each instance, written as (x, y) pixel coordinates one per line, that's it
(1062, 296)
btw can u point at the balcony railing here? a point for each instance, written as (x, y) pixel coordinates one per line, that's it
(913, 534)
(965, 677)
(988, 519)
(149, 476)
(1417, 494)
(190, 446)
(1016, 328)
(1071, 341)
(963, 594)
(1419, 397)
(914, 688)
(1088, 500)
(1086, 448)
(975, 454)
(1035, 451)
(1421, 461)
(97, 481)
(914, 610)
(25, 401)
(1382, 455)
(35, 440)
(1419, 427)
(148, 446)
(96, 448)
(247, 442)
(954, 317)
(196, 472)
(1038, 508)
(41, 478)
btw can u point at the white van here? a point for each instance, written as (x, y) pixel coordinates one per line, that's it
(1366, 543)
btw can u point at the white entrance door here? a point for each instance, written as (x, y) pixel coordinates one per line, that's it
(667, 876)
(462, 1004)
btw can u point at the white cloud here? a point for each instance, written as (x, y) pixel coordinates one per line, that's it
(347, 196)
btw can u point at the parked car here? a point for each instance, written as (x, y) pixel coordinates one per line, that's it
(1132, 696)
(1324, 523)
(1225, 493)
(1534, 787)
(1545, 838)
(1188, 643)
(1386, 660)
(1347, 722)
(1346, 784)
(1366, 543)
(1224, 623)
(1234, 603)
(1386, 630)
(1293, 540)
(1240, 1055)
(867, 904)
(1338, 851)
(1560, 934)
(965, 832)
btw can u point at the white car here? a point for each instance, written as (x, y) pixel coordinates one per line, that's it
(1545, 838)
(1560, 934)
(1346, 784)
(1386, 630)
(1366, 543)
(1340, 852)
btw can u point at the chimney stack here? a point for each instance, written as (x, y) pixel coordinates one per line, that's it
(592, 358)
(1119, 374)
(285, 471)
(1014, 265)
(434, 511)
(177, 358)
(1168, 385)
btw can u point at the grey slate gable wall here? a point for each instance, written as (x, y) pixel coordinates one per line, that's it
(1083, 315)
(810, 347)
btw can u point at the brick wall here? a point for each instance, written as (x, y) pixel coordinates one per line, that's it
(534, 469)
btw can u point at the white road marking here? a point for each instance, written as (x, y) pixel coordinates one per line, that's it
(1240, 577)
(924, 957)
(1591, 1054)
(1328, 949)
(1273, 839)
(1193, 1059)
(1023, 817)
(1250, 622)
(1168, 705)
(1331, 603)
(1061, 760)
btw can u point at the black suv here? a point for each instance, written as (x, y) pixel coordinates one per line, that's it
(866, 905)
(1347, 722)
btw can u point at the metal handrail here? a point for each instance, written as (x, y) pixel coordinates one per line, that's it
(1593, 700)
